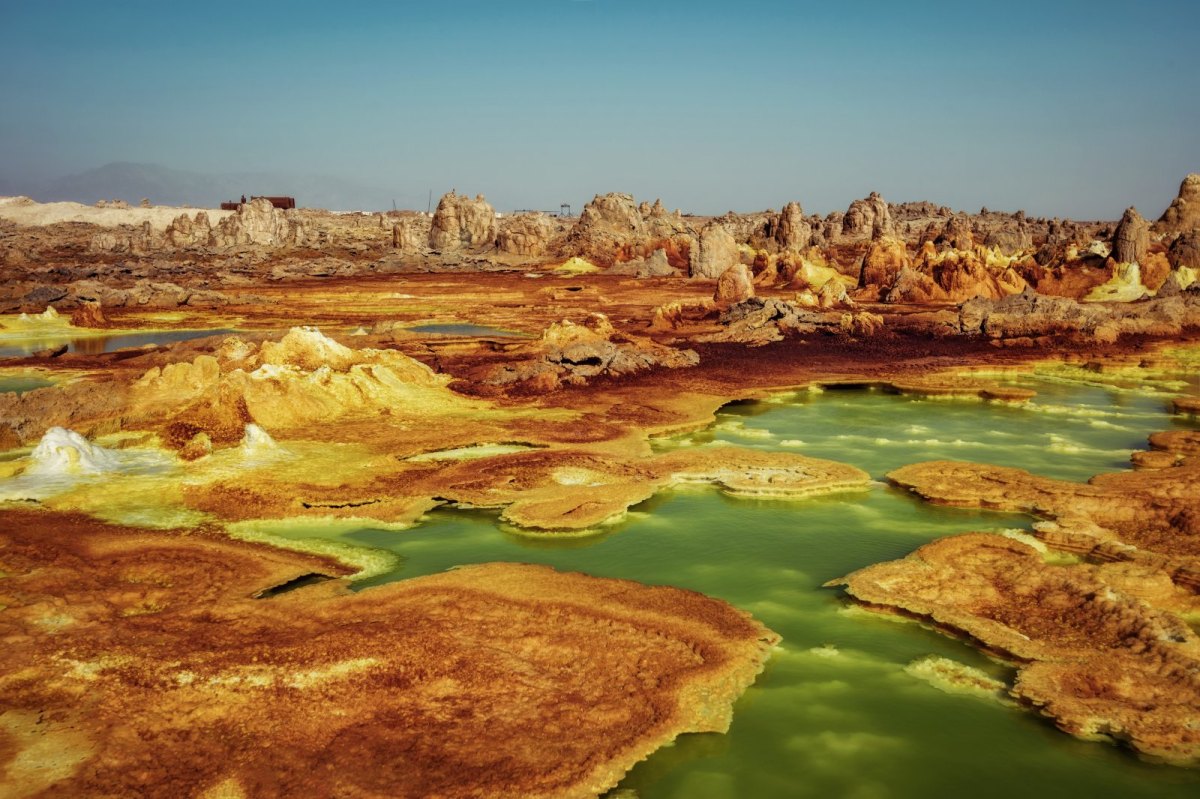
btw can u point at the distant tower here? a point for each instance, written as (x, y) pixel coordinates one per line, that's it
(564, 209)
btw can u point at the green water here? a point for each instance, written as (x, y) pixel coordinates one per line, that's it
(1067, 431)
(20, 346)
(835, 714)
(19, 384)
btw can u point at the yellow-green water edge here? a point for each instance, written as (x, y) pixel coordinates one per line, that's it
(19, 383)
(85, 341)
(836, 713)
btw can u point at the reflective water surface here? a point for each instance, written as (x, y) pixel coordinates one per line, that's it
(97, 344)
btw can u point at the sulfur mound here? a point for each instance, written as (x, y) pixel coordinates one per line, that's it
(302, 379)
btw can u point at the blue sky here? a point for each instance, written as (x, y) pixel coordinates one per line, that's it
(1067, 108)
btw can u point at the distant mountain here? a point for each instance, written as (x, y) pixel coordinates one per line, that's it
(164, 186)
(12, 188)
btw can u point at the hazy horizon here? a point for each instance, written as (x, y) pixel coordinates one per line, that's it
(1074, 110)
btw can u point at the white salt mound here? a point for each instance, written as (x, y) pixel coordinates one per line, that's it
(257, 439)
(63, 451)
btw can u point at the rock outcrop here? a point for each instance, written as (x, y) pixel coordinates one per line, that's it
(791, 231)
(1183, 214)
(1132, 238)
(410, 234)
(758, 321)
(914, 286)
(715, 252)
(525, 234)
(287, 384)
(89, 314)
(882, 264)
(867, 218)
(956, 234)
(609, 226)
(258, 223)
(1030, 316)
(574, 353)
(187, 231)
(613, 228)
(460, 223)
(735, 285)
(656, 265)
(1185, 250)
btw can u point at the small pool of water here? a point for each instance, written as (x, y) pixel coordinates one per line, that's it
(19, 384)
(466, 330)
(15, 347)
(836, 714)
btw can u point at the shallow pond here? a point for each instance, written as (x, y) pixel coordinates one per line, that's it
(836, 714)
(99, 343)
(466, 330)
(19, 384)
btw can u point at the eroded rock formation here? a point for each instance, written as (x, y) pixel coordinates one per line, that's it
(460, 223)
(573, 353)
(1031, 315)
(525, 234)
(715, 252)
(410, 234)
(867, 218)
(735, 285)
(613, 228)
(656, 265)
(259, 223)
(791, 231)
(1183, 214)
(608, 226)
(1132, 238)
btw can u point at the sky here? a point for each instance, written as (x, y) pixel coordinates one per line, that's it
(1072, 109)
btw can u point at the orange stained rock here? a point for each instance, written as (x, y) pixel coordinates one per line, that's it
(140, 664)
(1151, 516)
(1101, 662)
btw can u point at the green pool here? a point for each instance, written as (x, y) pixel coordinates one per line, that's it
(835, 714)
(19, 384)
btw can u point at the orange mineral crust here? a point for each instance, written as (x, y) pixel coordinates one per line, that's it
(177, 663)
(1091, 655)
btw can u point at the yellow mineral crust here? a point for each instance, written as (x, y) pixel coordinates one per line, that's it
(304, 378)
(550, 488)
(1099, 662)
(164, 677)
